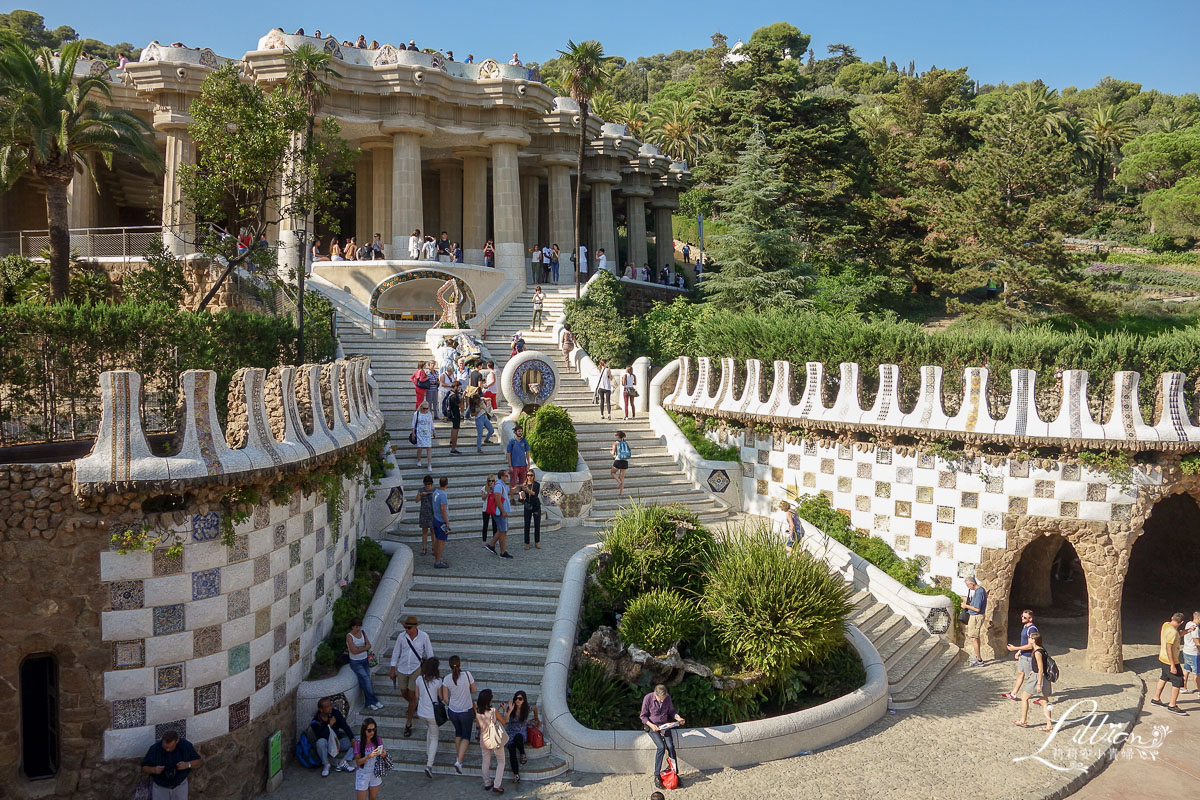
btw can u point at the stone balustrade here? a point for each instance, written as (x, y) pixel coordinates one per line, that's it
(276, 420)
(1125, 425)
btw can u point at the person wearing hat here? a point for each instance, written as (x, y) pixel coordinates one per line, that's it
(412, 44)
(412, 648)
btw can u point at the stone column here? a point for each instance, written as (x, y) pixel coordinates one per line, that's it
(363, 194)
(82, 201)
(474, 211)
(636, 205)
(178, 225)
(531, 185)
(381, 200)
(562, 205)
(506, 203)
(603, 232)
(407, 207)
(1105, 562)
(663, 237)
(450, 196)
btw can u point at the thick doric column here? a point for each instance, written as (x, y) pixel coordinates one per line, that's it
(407, 206)
(450, 197)
(178, 225)
(506, 200)
(82, 199)
(474, 211)
(636, 213)
(531, 185)
(363, 193)
(603, 232)
(562, 204)
(381, 198)
(664, 236)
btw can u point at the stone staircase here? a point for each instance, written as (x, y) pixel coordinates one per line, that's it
(915, 660)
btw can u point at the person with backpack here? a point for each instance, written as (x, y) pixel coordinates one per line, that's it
(367, 747)
(452, 410)
(328, 720)
(498, 546)
(429, 686)
(1039, 683)
(492, 739)
(460, 708)
(477, 410)
(621, 454)
(1023, 654)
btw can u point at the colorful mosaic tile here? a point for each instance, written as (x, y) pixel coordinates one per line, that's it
(924, 562)
(794, 461)
(760, 487)
(293, 554)
(308, 617)
(129, 713)
(943, 548)
(293, 651)
(747, 469)
(294, 603)
(279, 537)
(924, 494)
(1097, 492)
(945, 514)
(262, 569)
(845, 484)
(777, 474)
(239, 603)
(338, 573)
(280, 637)
(904, 475)
(762, 456)
(179, 726)
(1068, 510)
(1071, 472)
(810, 480)
(827, 466)
(903, 509)
(883, 455)
(168, 619)
(1121, 512)
(883, 489)
(308, 522)
(777, 444)
(845, 452)
(166, 562)
(320, 592)
(331, 551)
(967, 535)
(1018, 469)
(239, 714)
(941, 581)
(903, 543)
(206, 583)
(126, 595)
(128, 654)
(308, 570)
(262, 516)
(168, 678)
(281, 586)
(240, 549)
(882, 523)
(206, 527)
(993, 484)
(206, 641)
(395, 500)
(262, 675)
(239, 658)
(970, 500)
(294, 504)
(1043, 489)
(810, 448)
(862, 503)
(279, 686)
(965, 569)
(1018, 505)
(947, 480)
(862, 470)
(320, 537)
(262, 622)
(924, 461)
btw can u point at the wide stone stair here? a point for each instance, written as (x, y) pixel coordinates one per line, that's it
(915, 660)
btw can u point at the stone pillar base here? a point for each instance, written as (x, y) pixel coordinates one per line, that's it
(510, 257)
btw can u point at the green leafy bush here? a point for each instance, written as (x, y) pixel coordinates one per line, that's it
(657, 619)
(598, 322)
(774, 611)
(600, 702)
(839, 672)
(702, 705)
(706, 447)
(162, 280)
(553, 444)
(371, 556)
(650, 547)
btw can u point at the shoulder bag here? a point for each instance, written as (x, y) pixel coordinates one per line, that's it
(383, 765)
(493, 736)
(439, 708)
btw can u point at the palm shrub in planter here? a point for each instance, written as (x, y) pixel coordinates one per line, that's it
(657, 620)
(552, 440)
(651, 547)
(773, 611)
(601, 702)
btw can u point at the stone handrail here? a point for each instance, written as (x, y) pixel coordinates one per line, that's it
(929, 611)
(1125, 425)
(381, 613)
(268, 428)
(737, 745)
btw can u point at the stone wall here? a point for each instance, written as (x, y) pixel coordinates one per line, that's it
(641, 296)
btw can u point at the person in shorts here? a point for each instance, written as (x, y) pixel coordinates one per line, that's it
(410, 651)
(1191, 652)
(441, 524)
(1037, 685)
(1171, 670)
(498, 546)
(975, 605)
(460, 708)
(1023, 654)
(621, 455)
(367, 747)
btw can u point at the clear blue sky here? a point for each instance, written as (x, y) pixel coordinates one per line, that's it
(1065, 42)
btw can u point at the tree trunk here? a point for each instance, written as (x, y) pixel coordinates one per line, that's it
(583, 119)
(60, 239)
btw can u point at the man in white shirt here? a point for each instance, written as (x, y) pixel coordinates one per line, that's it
(1191, 652)
(446, 355)
(583, 260)
(412, 647)
(601, 260)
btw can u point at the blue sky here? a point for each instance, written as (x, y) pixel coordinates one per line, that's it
(1065, 42)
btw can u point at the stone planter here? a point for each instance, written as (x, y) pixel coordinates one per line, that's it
(567, 496)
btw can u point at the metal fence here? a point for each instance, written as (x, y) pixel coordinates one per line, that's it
(129, 242)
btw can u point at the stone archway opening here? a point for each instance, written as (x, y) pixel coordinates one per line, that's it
(1049, 580)
(1161, 575)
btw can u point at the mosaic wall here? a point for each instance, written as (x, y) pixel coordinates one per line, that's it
(206, 641)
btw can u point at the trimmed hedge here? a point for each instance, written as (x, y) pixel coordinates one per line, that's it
(553, 444)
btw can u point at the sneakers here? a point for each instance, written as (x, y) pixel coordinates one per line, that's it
(1156, 702)
(377, 707)
(973, 662)
(429, 773)
(506, 554)
(1177, 710)
(325, 771)
(441, 565)
(490, 548)
(1009, 696)
(658, 784)
(344, 766)
(458, 767)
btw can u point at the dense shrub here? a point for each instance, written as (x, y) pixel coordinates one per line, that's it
(553, 443)
(839, 672)
(651, 547)
(598, 322)
(702, 705)
(356, 595)
(774, 611)
(162, 280)
(600, 702)
(706, 447)
(658, 619)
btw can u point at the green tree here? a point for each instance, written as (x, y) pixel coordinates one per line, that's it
(1176, 209)
(633, 114)
(676, 130)
(1109, 130)
(759, 255)
(1157, 160)
(585, 76)
(52, 125)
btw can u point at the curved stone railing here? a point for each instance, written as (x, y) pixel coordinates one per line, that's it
(1125, 424)
(738, 745)
(291, 417)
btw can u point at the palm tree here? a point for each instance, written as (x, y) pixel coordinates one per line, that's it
(604, 106)
(633, 114)
(1110, 129)
(675, 129)
(53, 124)
(586, 74)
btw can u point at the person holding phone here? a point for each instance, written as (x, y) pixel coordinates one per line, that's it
(367, 747)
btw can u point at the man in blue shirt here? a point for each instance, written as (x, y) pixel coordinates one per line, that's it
(518, 456)
(169, 762)
(975, 605)
(1024, 655)
(441, 523)
(498, 546)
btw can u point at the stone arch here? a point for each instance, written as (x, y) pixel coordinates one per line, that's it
(420, 274)
(1156, 568)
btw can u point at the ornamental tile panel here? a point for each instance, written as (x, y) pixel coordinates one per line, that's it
(970, 500)
(293, 554)
(281, 586)
(883, 455)
(862, 470)
(845, 452)
(240, 549)
(924, 561)
(810, 480)
(904, 475)
(294, 504)
(827, 466)
(262, 675)
(308, 522)
(763, 456)
(239, 658)
(206, 583)
(947, 480)
(280, 637)
(294, 603)
(993, 519)
(993, 484)
(965, 569)
(179, 726)
(206, 641)
(924, 461)
(320, 537)
(1121, 512)
(239, 714)
(166, 562)
(967, 535)
(882, 523)
(126, 595)
(262, 569)
(338, 573)
(168, 619)
(1043, 489)
(279, 537)
(279, 687)
(718, 481)
(945, 514)
(1068, 510)
(810, 448)
(862, 503)
(794, 461)
(262, 622)
(129, 654)
(206, 527)
(903, 509)
(903, 543)
(308, 570)
(331, 551)
(262, 516)
(320, 585)
(293, 651)
(168, 678)
(760, 487)
(1018, 505)
(1071, 472)
(924, 494)
(128, 713)
(883, 489)
(845, 484)
(943, 548)
(308, 618)
(239, 603)
(1018, 469)
(1097, 492)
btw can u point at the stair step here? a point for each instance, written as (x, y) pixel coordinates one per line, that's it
(435, 619)
(418, 598)
(492, 587)
(930, 675)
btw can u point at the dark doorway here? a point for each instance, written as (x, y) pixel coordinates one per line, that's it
(343, 186)
(1049, 580)
(39, 716)
(1163, 559)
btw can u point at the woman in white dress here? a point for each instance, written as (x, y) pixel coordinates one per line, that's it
(422, 426)
(414, 245)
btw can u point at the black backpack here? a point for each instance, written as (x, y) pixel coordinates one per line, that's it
(1050, 666)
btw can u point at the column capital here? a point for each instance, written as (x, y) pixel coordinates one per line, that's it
(602, 176)
(665, 198)
(375, 144)
(505, 135)
(168, 120)
(635, 190)
(406, 124)
(560, 159)
(471, 152)
(533, 171)
(445, 163)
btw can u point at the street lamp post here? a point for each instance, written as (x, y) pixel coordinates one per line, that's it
(301, 235)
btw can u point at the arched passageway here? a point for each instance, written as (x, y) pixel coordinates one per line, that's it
(1161, 578)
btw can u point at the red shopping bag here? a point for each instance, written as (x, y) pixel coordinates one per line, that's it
(669, 777)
